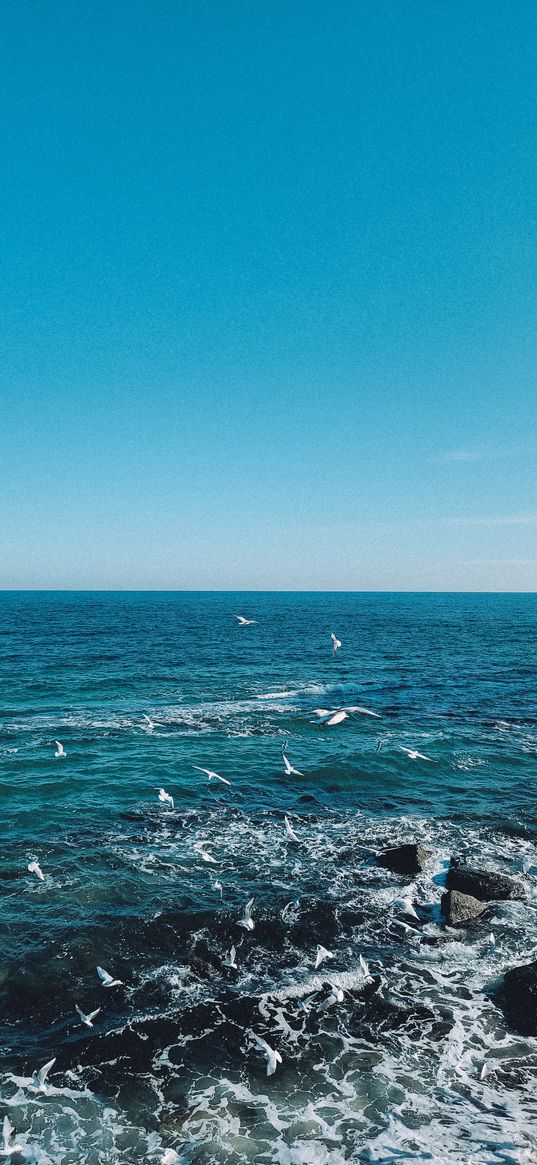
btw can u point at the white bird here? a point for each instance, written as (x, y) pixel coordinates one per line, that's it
(107, 980)
(336, 643)
(364, 967)
(87, 1019)
(39, 1077)
(413, 754)
(244, 622)
(166, 797)
(272, 1056)
(8, 1132)
(60, 751)
(336, 996)
(35, 868)
(288, 767)
(322, 954)
(230, 961)
(404, 906)
(492, 941)
(336, 715)
(247, 921)
(212, 776)
(149, 724)
(289, 830)
(170, 1157)
(205, 857)
(218, 886)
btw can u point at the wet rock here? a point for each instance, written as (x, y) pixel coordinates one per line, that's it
(404, 859)
(519, 998)
(201, 967)
(459, 909)
(484, 885)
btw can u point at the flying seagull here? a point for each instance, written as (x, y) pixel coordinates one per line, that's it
(272, 1056)
(170, 1157)
(35, 868)
(247, 921)
(205, 857)
(166, 797)
(322, 954)
(230, 961)
(60, 751)
(107, 980)
(149, 723)
(413, 754)
(288, 767)
(244, 622)
(212, 776)
(336, 643)
(8, 1132)
(289, 830)
(87, 1019)
(39, 1077)
(404, 906)
(364, 968)
(336, 996)
(329, 717)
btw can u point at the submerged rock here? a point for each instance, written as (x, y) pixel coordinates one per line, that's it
(404, 859)
(519, 998)
(458, 909)
(484, 885)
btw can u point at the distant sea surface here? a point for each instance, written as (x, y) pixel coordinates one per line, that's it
(140, 688)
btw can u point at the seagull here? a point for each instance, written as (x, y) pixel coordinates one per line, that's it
(166, 797)
(288, 767)
(205, 857)
(322, 954)
(244, 622)
(107, 980)
(289, 830)
(404, 906)
(230, 961)
(273, 1057)
(60, 751)
(8, 1132)
(413, 754)
(149, 723)
(39, 1077)
(35, 868)
(364, 968)
(212, 776)
(247, 921)
(336, 715)
(170, 1157)
(336, 996)
(87, 1019)
(336, 643)
(218, 886)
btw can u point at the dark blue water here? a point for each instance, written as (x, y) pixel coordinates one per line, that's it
(139, 689)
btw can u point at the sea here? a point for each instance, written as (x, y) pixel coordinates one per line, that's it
(394, 1048)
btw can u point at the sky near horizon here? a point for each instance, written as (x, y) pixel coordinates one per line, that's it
(269, 295)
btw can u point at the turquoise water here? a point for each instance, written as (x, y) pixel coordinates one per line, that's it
(170, 1062)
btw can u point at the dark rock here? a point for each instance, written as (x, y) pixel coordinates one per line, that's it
(201, 967)
(482, 884)
(404, 859)
(519, 998)
(458, 909)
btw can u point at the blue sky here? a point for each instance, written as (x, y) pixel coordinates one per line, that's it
(268, 295)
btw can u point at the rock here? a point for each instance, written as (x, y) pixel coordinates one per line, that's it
(459, 909)
(404, 859)
(482, 884)
(519, 998)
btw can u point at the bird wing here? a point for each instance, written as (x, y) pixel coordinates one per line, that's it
(43, 1072)
(92, 1014)
(288, 767)
(248, 908)
(337, 717)
(363, 711)
(81, 1013)
(7, 1131)
(103, 975)
(200, 770)
(322, 712)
